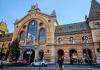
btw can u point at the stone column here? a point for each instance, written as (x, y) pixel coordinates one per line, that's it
(53, 54)
(21, 54)
(96, 53)
(36, 53)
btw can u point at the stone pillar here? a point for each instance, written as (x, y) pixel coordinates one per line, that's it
(36, 54)
(21, 54)
(53, 54)
(96, 53)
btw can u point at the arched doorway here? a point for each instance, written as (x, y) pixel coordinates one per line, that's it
(73, 56)
(60, 55)
(41, 54)
(87, 55)
(29, 54)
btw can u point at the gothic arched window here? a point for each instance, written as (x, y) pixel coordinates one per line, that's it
(60, 41)
(22, 37)
(31, 32)
(42, 35)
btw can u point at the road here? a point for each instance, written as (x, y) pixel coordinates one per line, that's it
(55, 67)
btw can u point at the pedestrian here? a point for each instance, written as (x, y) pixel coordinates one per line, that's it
(81, 61)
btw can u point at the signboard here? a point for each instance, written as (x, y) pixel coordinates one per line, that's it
(29, 52)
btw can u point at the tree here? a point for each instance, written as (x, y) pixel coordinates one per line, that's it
(14, 50)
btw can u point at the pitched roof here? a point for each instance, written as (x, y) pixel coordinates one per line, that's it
(75, 27)
(94, 10)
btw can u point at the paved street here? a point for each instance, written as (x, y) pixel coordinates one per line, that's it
(55, 67)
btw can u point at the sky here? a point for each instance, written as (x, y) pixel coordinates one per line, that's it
(67, 11)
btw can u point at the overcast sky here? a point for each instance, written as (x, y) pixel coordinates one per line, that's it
(67, 11)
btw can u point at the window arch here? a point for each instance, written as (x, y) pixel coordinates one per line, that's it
(71, 40)
(97, 25)
(42, 35)
(85, 39)
(60, 41)
(31, 32)
(22, 36)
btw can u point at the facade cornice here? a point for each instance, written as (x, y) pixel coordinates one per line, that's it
(72, 33)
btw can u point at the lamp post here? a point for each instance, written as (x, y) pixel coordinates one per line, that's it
(30, 52)
(86, 47)
(1, 66)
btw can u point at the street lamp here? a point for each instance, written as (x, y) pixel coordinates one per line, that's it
(1, 66)
(85, 38)
(3, 33)
(30, 52)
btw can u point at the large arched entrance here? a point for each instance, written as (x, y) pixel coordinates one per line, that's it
(73, 56)
(87, 55)
(41, 54)
(60, 55)
(29, 55)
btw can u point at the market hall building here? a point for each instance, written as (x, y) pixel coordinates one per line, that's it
(41, 36)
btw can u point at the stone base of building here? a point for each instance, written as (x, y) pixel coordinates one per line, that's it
(98, 60)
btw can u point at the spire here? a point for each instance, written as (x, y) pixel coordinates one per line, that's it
(53, 13)
(85, 17)
(2, 22)
(16, 21)
(94, 10)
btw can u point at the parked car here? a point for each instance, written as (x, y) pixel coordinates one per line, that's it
(42, 63)
(21, 62)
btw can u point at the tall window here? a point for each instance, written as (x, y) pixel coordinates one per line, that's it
(71, 40)
(60, 41)
(42, 35)
(32, 30)
(97, 25)
(85, 39)
(22, 37)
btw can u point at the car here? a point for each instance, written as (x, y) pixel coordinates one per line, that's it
(42, 63)
(20, 62)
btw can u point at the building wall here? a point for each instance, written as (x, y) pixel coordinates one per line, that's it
(51, 46)
(78, 45)
(95, 30)
(49, 24)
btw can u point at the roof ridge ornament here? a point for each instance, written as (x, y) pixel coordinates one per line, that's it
(16, 21)
(85, 17)
(34, 9)
(53, 13)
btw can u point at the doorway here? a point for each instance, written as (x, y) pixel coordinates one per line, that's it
(41, 54)
(87, 55)
(29, 54)
(73, 56)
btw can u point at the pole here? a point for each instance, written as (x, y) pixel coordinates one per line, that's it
(86, 47)
(1, 66)
(30, 56)
(3, 33)
(39, 65)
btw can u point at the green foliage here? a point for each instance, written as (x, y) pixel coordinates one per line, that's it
(14, 50)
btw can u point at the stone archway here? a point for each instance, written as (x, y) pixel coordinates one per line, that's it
(41, 54)
(29, 54)
(87, 55)
(73, 56)
(60, 54)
